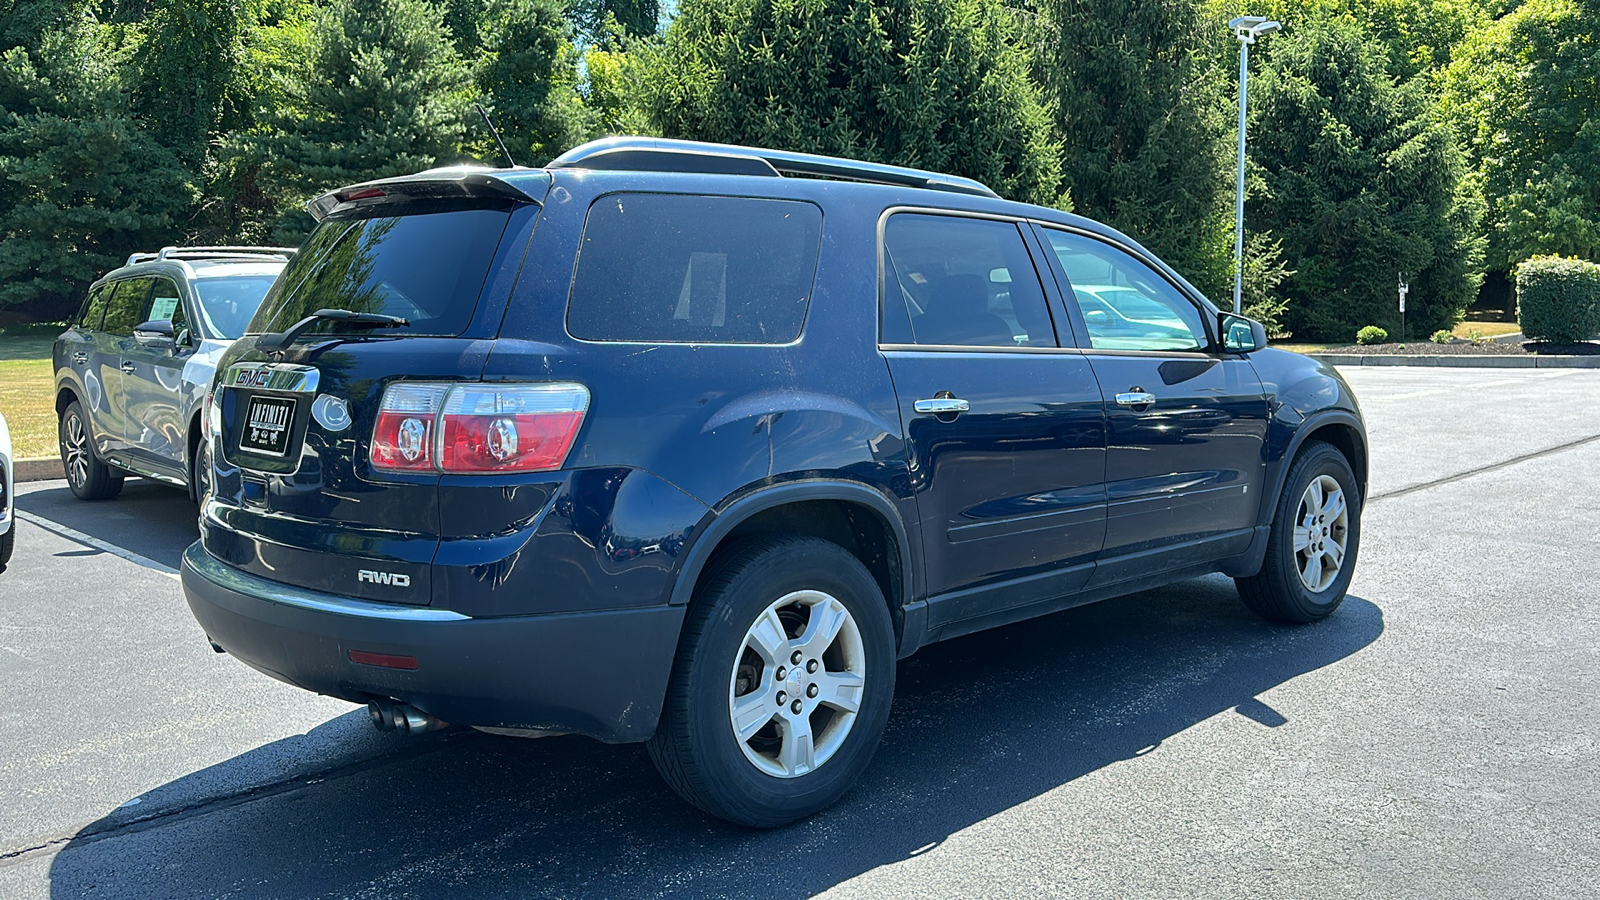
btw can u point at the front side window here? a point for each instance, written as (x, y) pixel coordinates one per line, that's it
(426, 267)
(674, 268)
(166, 305)
(127, 306)
(1126, 305)
(953, 281)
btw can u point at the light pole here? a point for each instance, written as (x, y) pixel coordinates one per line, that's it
(1246, 29)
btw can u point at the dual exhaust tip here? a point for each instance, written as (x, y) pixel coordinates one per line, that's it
(392, 715)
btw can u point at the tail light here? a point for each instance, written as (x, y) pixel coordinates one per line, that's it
(477, 428)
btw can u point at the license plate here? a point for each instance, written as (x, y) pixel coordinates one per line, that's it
(267, 425)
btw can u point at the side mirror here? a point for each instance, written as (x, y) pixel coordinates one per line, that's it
(154, 333)
(1240, 335)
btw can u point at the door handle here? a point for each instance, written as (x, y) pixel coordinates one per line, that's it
(127, 367)
(1136, 397)
(80, 357)
(941, 406)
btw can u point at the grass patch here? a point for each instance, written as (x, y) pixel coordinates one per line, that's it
(1485, 329)
(27, 388)
(1297, 347)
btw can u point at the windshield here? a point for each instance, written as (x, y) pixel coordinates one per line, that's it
(228, 303)
(425, 267)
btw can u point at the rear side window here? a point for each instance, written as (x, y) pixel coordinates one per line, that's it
(127, 307)
(427, 267)
(668, 268)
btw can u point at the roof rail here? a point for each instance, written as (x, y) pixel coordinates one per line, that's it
(197, 253)
(666, 155)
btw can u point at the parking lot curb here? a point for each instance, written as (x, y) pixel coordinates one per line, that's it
(1524, 361)
(42, 469)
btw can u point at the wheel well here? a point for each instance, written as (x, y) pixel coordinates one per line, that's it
(1347, 441)
(64, 398)
(858, 529)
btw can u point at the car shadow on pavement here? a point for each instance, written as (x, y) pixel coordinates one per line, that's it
(980, 725)
(154, 520)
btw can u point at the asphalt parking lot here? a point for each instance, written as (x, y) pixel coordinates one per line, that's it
(1437, 737)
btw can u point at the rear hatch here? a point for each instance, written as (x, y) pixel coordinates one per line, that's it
(297, 497)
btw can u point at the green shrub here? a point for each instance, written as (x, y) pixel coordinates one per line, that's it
(1558, 299)
(1442, 336)
(1371, 334)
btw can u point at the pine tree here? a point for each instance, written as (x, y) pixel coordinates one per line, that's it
(384, 93)
(1361, 181)
(528, 74)
(936, 84)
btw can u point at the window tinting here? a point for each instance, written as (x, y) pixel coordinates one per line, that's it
(691, 269)
(94, 308)
(228, 303)
(127, 306)
(962, 282)
(1126, 304)
(427, 267)
(166, 304)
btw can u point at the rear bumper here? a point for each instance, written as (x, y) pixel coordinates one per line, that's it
(601, 674)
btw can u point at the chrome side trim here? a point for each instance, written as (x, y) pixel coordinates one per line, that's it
(227, 577)
(286, 377)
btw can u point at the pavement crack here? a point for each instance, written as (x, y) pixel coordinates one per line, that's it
(94, 832)
(1480, 470)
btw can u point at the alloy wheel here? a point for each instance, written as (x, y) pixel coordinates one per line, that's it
(797, 684)
(1322, 529)
(75, 450)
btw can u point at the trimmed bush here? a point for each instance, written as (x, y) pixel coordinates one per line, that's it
(1371, 334)
(1442, 336)
(1558, 299)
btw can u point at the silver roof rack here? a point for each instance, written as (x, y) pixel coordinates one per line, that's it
(667, 155)
(213, 252)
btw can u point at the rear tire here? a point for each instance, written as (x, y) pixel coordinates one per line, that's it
(87, 476)
(7, 542)
(200, 472)
(1311, 552)
(750, 735)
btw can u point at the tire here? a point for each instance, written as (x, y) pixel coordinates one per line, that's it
(7, 542)
(200, 472)
(87, 476)
(731, 652)
(1307, 583)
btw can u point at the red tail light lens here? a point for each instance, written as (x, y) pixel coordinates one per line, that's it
(510, 428)
(477, 428)
(403, 440)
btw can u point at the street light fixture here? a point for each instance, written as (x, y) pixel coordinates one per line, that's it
(1247, 29)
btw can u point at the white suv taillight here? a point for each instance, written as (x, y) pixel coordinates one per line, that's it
(477, 428)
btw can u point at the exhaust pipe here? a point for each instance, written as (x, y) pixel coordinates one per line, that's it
(392, 715)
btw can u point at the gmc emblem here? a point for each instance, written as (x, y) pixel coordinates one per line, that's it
(394, 579)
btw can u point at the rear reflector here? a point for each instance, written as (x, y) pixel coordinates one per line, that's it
(477, 429)
(384, 660)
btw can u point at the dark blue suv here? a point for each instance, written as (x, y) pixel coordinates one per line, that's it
(687, 444)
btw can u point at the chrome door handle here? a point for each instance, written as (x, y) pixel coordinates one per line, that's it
(128, 367)
(80, 357)
(941, 405)
(1136, 397)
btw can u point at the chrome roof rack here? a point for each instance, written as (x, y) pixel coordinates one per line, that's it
(208, 252)
(666, 155)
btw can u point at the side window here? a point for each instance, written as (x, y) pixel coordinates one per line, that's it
(94, 308)
(673, 268)
(1126, 304)
(165, 303)
(127, 306)
(957, 281)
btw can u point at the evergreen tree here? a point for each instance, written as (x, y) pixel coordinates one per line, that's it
(384, 93)
(1143, 125)
(186, 65)
(636, 18)
(528, 74)
(1361, 181)
(81, 184)
(1526, 94)
(936, 84)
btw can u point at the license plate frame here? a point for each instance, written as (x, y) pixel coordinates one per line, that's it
(268, 423)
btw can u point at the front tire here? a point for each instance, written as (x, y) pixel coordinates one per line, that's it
(782, 685)
(1311, 552)
(87, 476)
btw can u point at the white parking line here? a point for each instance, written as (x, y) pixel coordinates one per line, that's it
(72, 534)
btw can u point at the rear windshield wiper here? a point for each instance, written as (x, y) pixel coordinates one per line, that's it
(283, 339)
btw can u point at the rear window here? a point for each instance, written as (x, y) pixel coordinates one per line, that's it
(427, 267)
(666, 268)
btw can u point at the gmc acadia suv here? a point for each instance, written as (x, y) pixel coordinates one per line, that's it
(661, 443)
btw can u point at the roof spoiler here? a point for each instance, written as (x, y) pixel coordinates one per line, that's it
(453, 182)
(666, 155)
